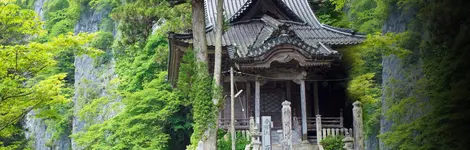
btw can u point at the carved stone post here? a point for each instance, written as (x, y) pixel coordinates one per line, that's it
(266, 130)
(348, 142)
(319, 128)
(286, 126)
(358, 126)
(254, 132)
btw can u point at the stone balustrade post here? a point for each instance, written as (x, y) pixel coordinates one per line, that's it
(286, 142)
(255, 134)
(319, 128)
(348, 142)
(358, 126)
(266, 131)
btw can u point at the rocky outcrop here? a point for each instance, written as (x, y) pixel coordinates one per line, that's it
(92, 81)
(399, 75)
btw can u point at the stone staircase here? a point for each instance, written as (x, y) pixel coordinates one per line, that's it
(276, 142)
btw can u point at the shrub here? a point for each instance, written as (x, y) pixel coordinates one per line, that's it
(223, 144)
(332, 143)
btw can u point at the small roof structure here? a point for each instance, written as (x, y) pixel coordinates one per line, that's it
(259, 26)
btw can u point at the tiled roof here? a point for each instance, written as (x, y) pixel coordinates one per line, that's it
(246, 36)
(233, 8)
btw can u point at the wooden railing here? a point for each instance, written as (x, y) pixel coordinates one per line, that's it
(326, 122)
(240, 123)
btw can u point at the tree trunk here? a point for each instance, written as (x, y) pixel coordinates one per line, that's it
(200, 52)
(218, 84)
(199, 32)
(218, 44)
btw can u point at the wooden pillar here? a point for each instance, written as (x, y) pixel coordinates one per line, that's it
(288, 92)
(315, 98)
(303, 106)
(257, 102)
(248, 98)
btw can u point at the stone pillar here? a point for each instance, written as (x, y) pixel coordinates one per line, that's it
(286, 142)
(303, 105)
(257, 102)
(266, 130)
(348, 142)
(319, 128)
(358, 126)
(254, 133)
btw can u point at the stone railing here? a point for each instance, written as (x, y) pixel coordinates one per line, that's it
(335, 132)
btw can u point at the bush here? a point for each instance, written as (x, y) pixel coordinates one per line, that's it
(223, 144)
(333, 143)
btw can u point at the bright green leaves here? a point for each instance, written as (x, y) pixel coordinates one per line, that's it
(136, 19)
(61, 16)
(364, 89)
(17, 24)
(30, 77)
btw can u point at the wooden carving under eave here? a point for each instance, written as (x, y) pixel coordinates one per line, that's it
(285, 55)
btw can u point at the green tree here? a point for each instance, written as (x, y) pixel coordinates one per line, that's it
(145, 122)
(27, 77)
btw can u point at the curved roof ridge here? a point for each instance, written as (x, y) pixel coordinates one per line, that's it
(335, 29)
(303, 10)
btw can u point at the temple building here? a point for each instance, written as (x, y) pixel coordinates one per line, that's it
(280, 52)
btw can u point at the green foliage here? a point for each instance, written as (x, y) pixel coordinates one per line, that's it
(327, 13)
(29, 74)
(204, 110)
(143, 124)
(139, 64)
(103, 41)
(137, 18)
(442, 91)
(332, 143)
(17, 24)
(366, 74)
(61, 16)
(224, 141)
(196, 87)
(366, 16)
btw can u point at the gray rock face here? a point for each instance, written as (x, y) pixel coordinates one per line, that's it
(40, 137)
(398, 77)
(92, 80)
(39, 8)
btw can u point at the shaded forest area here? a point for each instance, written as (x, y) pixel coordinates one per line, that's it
(412, 74)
